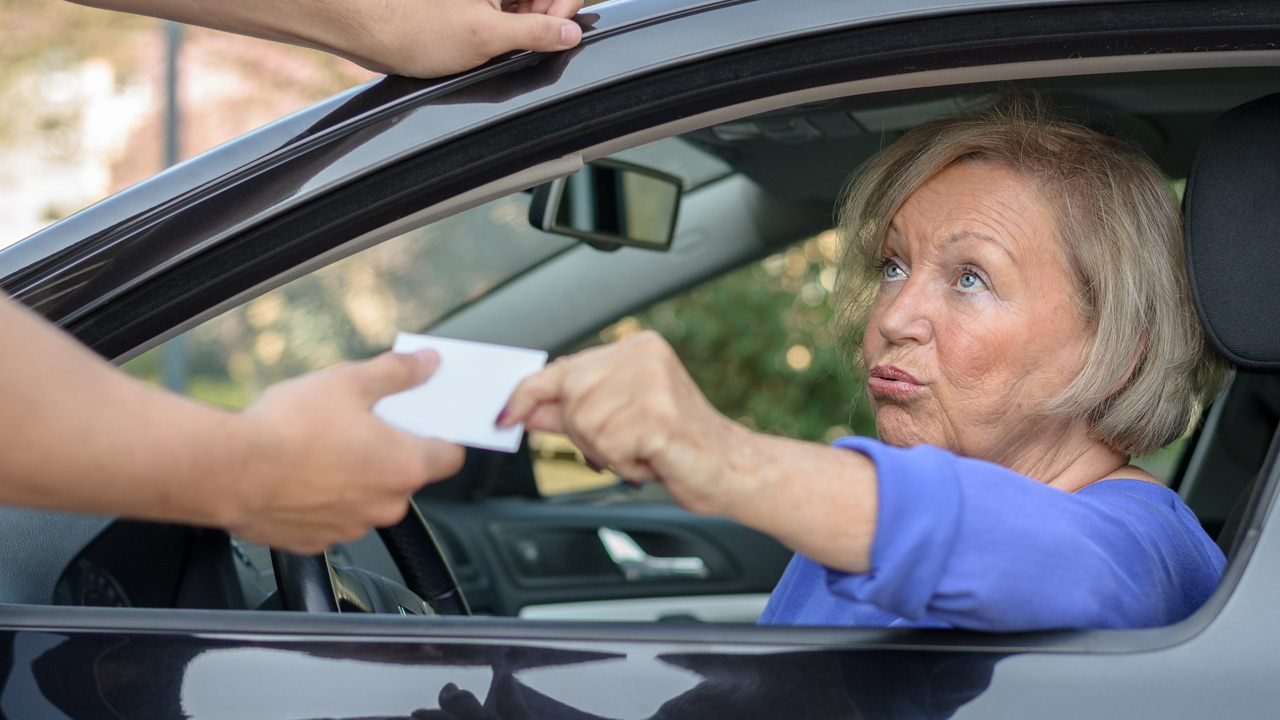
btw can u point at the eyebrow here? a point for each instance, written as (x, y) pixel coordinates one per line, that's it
(966, 234)
(974, 234)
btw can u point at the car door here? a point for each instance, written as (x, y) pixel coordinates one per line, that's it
(225, 243)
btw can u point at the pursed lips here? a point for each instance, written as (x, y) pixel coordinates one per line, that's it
(887, 380)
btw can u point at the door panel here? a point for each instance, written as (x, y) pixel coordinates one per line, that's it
(510, 554)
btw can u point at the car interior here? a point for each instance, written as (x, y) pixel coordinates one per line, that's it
(752, 186)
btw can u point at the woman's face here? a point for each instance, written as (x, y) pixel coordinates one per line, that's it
(975, 325)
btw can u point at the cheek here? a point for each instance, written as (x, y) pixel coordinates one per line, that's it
(1010, 361)
(972, 352)
(1058, 347)
(872, 340)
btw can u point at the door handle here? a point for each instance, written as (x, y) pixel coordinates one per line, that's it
(636, 564)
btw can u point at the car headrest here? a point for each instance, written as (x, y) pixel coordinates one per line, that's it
(1232, 211)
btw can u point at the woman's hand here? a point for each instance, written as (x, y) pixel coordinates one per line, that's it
(632, 406)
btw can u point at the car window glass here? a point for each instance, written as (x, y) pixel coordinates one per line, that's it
(354, 307)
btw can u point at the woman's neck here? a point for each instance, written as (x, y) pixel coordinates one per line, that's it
(1071, 460)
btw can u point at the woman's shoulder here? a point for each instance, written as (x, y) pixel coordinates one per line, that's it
(1132, 481)
(1140, 498)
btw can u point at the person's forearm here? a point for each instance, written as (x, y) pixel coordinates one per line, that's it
(81, 436)
(817, 500)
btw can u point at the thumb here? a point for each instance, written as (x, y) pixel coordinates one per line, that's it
(393, 372)
(534, 31)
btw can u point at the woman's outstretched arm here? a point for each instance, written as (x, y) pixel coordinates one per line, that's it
(632, 406)
(920, 533)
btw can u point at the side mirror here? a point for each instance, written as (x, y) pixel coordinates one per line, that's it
(608, 204)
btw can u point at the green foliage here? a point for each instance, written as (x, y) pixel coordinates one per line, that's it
(759, 343)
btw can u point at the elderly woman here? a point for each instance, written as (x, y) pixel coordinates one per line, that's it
(1028, 329)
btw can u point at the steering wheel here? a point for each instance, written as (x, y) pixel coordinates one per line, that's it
(310, 583)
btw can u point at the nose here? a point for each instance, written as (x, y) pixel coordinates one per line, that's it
(905, 315)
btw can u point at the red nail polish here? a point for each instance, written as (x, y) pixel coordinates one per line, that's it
(594, 465)
(506, 410)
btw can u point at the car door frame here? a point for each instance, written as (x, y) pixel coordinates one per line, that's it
(1165, 665)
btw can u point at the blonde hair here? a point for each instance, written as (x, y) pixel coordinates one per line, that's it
(1122, 236)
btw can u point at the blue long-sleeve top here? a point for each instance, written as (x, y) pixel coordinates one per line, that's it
(966, 543)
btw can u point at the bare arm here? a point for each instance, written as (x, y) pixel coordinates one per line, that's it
(632, 406)
(817, 500)
(307, 466)
(417, 38)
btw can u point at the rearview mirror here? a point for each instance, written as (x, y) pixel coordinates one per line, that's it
(608, 204)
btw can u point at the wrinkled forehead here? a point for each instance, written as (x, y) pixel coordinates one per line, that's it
(980, 200)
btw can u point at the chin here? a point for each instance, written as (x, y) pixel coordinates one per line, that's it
(896, 427)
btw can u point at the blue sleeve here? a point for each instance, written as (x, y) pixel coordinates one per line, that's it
(781, 592)
(978, 546)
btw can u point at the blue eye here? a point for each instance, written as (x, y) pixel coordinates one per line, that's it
(970, 282)
(891, 271)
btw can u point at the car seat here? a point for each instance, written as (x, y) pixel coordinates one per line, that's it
(1232, 213)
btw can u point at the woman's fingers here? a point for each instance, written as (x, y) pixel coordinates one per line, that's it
(539, 388)
(547, 417)
(566, 378)
(570, 397)
(618, 443)
(630, 406)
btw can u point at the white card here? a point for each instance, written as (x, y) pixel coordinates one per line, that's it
(462, 399)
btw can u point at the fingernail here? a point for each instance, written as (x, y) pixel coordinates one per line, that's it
(570, 34)
(506, 410)
(430, 359)
(594, 465)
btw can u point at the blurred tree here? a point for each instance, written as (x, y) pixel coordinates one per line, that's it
(40, 38)
(759, 343)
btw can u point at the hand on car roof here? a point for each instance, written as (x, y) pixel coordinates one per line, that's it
(416, 38)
